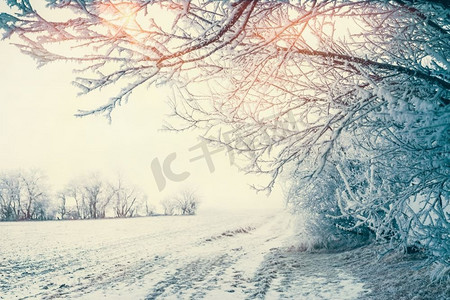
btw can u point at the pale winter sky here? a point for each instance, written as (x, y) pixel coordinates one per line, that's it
(38, 130)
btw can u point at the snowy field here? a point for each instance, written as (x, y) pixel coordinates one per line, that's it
(211, 256)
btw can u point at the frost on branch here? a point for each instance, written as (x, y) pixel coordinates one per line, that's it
(351, 97)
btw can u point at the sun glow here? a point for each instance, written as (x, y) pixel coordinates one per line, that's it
(120, 16)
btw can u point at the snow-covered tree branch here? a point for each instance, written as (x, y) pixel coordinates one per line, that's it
(353, 95)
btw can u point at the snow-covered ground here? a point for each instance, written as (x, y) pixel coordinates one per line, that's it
(211, 256)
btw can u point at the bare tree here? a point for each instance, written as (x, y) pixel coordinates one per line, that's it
(126, 199)
(169, 206)
(74, 190)
(35, 197)
(187, 202)
(62, 208)
(10, 197)
(97, 197)
(91, 195)
(23, 196)
(184, 203)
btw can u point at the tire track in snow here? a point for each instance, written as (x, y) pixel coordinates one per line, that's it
(225, 263)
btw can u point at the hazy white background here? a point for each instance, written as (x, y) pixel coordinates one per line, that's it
(38, 130)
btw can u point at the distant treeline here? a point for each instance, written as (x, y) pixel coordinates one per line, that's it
(24, 195)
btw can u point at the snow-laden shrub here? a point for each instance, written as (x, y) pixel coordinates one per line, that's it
(387, 172)
(385, 197)
(401, 187)
(325, 225)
